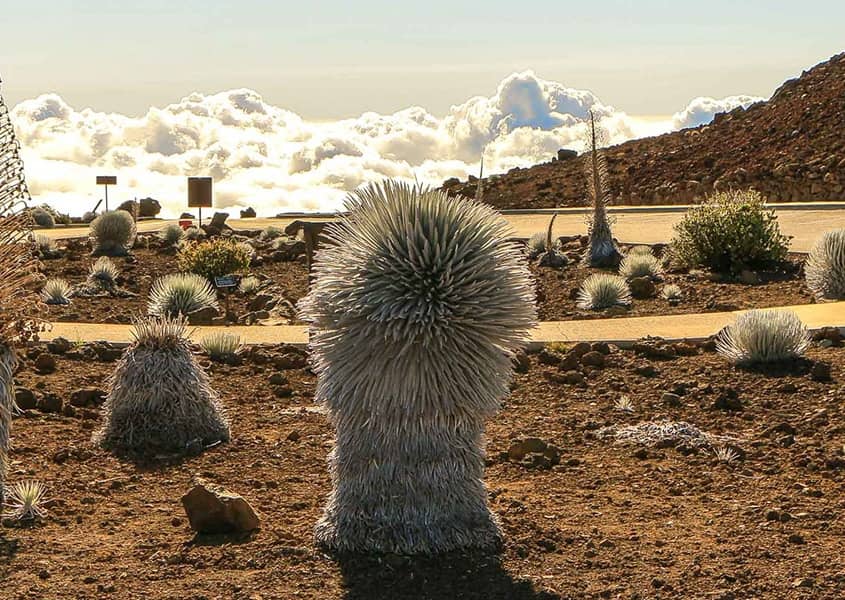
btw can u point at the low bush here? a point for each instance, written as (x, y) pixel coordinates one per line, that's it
(171, 234)
(221, 347)
(56, 292)
(671, 292)
(45, 247)
(603, 291)
(271, 232)
(113, 233)
(640, 265)
(730, 232)
(180, 294)
(825, 266)
(214, 258)
(104, 271)
(763, 336)
(249, 285)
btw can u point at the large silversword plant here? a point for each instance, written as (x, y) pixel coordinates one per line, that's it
(19, 276)
(418, 303)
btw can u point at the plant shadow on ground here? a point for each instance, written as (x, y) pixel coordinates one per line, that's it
(798, 367)
(464, 576)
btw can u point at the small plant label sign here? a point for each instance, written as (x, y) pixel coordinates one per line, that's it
(226, 281)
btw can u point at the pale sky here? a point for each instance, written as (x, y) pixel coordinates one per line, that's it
(326, 59)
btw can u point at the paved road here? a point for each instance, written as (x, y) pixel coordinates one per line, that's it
(620, 330)
(632, 225)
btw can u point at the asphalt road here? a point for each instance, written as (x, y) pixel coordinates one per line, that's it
(643, 225)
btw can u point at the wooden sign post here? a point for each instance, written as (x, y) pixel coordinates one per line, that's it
(199, 194)
(106, 181)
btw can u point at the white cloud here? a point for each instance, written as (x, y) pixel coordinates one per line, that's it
(701, 111)
(267, 157)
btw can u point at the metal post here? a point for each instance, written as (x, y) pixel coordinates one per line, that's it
(107, 197)
(200, 209)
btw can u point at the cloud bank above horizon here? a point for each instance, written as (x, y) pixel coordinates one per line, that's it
(273, 160)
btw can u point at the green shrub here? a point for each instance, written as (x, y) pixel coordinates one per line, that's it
(271, 232)
(825, 267)
(214, 258)
(180, 294)
(731, 232)
(603, 291)
(113, 233)
(171, 234)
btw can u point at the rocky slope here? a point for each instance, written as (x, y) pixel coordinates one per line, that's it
(791, 148)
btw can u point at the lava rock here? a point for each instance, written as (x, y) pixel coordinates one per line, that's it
(642, 287)
(59, 345)
(49, 403)
(87, 397)
(248, 213)
(203, 316)
(148, 207)
(593, 359)
(820, 371)
(25, 398)
(212, 509)
(45, 363)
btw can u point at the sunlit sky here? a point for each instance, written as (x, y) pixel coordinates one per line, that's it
(290, 105)
(326, 59)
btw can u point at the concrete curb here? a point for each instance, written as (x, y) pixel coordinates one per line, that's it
(621, 331)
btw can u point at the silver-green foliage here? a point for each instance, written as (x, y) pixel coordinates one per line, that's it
(104, 271)
(180, 294)
(671, 292)
(763, 336)
(641, 249)
(113, 233)
(640, 265)
(26, 501)
(732, 231)
(46, 247)
(825, 266)
(159, 398)
(56, 291)
(193, 234)
(418, 302)
(271, 232)
(171, 234)
(221, 345)
(603, 290)
(250, 284)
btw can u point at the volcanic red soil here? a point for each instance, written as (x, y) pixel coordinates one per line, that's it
(790, 148)
(597, 520)
(556, 288)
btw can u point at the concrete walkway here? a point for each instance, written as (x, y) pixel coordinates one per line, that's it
(634, 224)
(621, 330)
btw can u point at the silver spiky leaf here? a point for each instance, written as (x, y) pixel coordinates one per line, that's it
(418, 303)
(763, 336)
(159, 398)
(19, 277)
(825, 266)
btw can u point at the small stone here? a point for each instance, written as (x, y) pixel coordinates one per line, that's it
(45, 363)
(728, 399)
(647, 371)
(580, 349)
(570, 362)
(642, 287)
(602, 347)
(773, 515)
(521, 364)
(50, 403)
(283, 391)
(593, 359)
(293, 436)
(212, 509)
(290, 361)
(519, 449)
(59, 345)
(548, 358)
(25, 398)
(820, 371)
(607, 544)
(87, 397)
(278, 379)
(796, 538)
(670, 399)
(573, 378)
